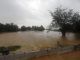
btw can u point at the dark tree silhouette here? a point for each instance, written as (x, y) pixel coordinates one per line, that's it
(23, 28)
(66, 20)
(28, 28)
(8, 27)
(11, 27)
(36, 28)
(41, 28)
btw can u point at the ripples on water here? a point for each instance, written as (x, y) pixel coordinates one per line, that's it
(32, 40)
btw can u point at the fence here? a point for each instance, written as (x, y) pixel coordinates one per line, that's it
(38, 53)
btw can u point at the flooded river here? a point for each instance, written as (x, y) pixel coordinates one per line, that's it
(32, 40)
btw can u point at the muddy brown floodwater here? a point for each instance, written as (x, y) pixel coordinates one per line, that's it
(32, 40)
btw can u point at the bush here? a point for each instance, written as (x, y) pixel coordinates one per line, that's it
(7, 50)
(14, 48)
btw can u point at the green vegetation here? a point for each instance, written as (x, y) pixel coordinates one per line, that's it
(24, 28)
(10, 27)
(7, 50)
(36, 28)
(33, 28)
(65, 19)
(13, 48)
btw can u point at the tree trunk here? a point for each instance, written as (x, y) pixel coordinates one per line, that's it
(63, 33)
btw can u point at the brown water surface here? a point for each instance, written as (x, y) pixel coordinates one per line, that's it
(32, 40)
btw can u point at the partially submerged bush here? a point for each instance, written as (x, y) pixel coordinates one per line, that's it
(14, 48)
(7, 50)
(4, 50)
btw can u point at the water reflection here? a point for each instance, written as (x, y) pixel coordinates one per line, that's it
(69, 35)
(70, 39)
(72, 36)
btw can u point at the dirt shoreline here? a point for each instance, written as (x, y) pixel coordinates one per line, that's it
(74, 55)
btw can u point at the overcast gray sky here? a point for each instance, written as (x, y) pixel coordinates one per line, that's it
(32, 12)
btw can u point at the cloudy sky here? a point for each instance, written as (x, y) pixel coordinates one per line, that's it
(32, 12)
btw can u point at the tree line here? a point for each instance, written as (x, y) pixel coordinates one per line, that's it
(67, 20)
(8, 27)
(33, 28)
(11, 27)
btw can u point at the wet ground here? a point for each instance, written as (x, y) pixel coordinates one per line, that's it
(75, 55)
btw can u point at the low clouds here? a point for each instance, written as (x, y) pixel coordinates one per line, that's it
(31, 12)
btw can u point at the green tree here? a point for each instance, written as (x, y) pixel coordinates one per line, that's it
(23, 28)
(65, 19)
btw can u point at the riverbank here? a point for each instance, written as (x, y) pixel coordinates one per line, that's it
(57, 52)
(74, 55)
